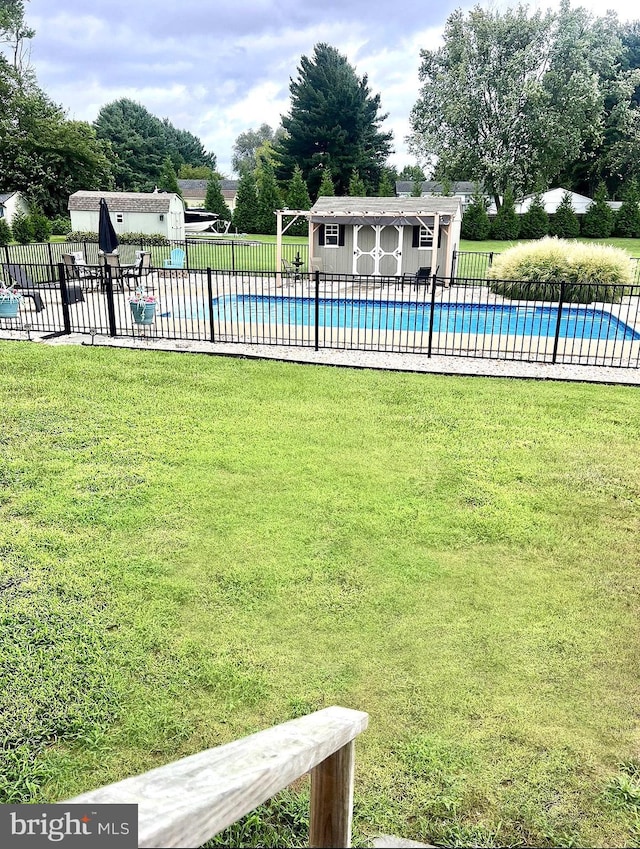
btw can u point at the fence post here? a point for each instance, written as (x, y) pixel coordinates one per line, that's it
(431, 315)
(558, 320)
(64, 297)
(6, 253)
(111, 309)
(331, 809)
(490, 258)
(317, 317)
(233, 255)
(210, 291)
(186, 254)
(50, 254)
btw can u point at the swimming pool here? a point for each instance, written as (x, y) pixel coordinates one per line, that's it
(577, 322)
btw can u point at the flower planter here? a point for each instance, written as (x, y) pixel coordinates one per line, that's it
(9, 307)
(143, 313)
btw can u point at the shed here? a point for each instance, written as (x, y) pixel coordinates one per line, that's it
(384, 236)
(12, 204)
(131, 212)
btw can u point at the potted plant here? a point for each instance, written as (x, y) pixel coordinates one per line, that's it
(10, 300)
(143, 306)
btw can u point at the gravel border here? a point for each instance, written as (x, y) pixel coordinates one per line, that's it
(420, 363)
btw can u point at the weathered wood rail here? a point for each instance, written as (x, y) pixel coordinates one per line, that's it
(186, 802)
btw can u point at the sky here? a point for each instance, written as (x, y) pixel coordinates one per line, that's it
(220, 67)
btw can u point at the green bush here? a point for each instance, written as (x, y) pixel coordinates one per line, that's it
(475, 221)
(534, 223)
(506, 225)
(598, 219)
(40, 226)
(627, 220)
(155, 239)
(60, 225)
(5, 232)
(22, 229)
(564, 223)
(534, 271)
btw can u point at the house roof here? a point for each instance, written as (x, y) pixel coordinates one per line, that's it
(6, 196)
(198, 188)
(85, 201)
(355, 210)
(462, 186)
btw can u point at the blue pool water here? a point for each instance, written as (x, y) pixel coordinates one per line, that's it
(580, 322)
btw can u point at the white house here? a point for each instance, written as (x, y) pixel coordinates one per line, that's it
(462, 189)
(195, 191)
(12, 204)
(551, 200)
(131, 212)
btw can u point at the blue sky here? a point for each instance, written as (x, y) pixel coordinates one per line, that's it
(218, 68)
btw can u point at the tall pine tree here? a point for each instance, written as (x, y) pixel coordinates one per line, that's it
(214, 199)
(598, 219)
(564, 222)
(357, 187)
(334, 119)
(327, 188)
(298, 198)
(245, 214)
(268, 199)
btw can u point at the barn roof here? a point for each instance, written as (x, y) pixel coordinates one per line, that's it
(85, 201)
(355, 210)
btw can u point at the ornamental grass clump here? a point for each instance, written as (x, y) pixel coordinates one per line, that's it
(535, 271)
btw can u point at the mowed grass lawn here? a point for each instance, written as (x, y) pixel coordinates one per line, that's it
(196, 548)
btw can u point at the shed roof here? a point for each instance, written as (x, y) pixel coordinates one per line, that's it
(431, 186)
(356, 210)
(85, 201)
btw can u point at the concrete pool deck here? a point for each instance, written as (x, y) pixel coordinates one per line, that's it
(419, 363)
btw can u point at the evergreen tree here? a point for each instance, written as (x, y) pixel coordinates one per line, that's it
(475, 221)
(506, 224)
(298, 198)
(40, 225)
(416, 191)
(5, 232)
(598, 220)
(334, 122)
(214, 200)
(412, 173)
(327, 188)
(167, 179)
(356, 185)
(627, 221)
(534, 223)
(22, 229)
(386, 188)
(268, 200)
(564, 222)
(245, 214)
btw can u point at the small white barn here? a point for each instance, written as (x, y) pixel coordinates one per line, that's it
(384, 236)
(552, 199)
(131, 212)
(12, 204)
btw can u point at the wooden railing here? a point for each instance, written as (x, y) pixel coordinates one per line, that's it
(186, 802)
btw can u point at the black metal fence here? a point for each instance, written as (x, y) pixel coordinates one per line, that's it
(225, 254)
(447, 317)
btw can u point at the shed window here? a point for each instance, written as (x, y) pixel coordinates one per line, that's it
(162, 218)
(119, 218)
(425, 238)
(331, 235)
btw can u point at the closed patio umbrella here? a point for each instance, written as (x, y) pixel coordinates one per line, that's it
(107, 239)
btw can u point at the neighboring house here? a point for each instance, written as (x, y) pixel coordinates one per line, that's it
(12, 204)
(195, 191)
(551, 200)
(462, 189)
(384, 236)
(131, 212)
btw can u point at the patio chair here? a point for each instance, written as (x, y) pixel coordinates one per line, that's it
(140, 270)
(176, 259)
(19, 277)
(290, 273)
(112, 262)
(77, 269)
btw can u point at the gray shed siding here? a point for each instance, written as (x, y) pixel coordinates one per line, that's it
(339, 260)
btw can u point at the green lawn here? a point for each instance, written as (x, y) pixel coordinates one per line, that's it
(195, 548)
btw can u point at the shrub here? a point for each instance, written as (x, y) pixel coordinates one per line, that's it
(534, 224)
(5, 232)
(475, 221)
(506, 224)
(627, 220)
(598, 219)
(564, 223)
(40, 226)
(535, 271)
(155, 239)
(60, 225)
(22, 229)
